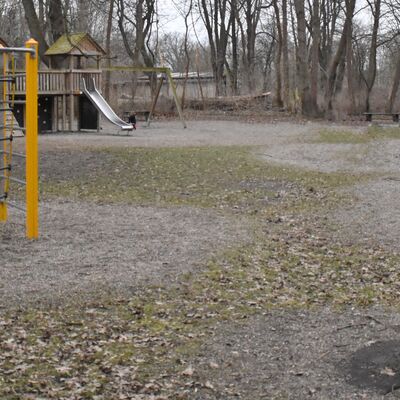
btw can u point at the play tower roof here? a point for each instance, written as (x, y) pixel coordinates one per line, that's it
(76, 44)
(3, 43)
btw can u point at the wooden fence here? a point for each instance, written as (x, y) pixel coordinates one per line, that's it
(58, 82)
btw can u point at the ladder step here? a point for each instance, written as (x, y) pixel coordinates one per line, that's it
(12, 179)
(14, 154)
(5, 109)
(14, 205)
(14, 102)
(7, 168)
(15, 127)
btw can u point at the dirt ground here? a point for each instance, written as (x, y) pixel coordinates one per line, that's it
(85, 249)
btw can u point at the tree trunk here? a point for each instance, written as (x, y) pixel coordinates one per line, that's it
(218, 26)
(316, 34)
(56, 19)
(83, 16)
(35, 27)
(107, 76)
(285, 56)
(337, 59)
(187, 56)
(308, 105)
(371, 74)
(349, 65)
(235, 56)
(395, 88)
(278, 58)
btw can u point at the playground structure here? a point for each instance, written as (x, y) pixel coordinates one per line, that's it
(60, 99)
(9, 127)
(163, 74)
(68, 90)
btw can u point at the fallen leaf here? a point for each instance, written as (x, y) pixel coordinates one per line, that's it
(388, 371)
(189, 371)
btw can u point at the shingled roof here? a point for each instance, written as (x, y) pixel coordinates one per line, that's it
(3, 43)
(75, 44)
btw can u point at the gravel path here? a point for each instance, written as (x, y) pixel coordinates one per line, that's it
(86, 250)
(374, 157)
(198, 133)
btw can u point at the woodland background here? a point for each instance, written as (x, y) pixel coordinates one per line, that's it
(317, 57)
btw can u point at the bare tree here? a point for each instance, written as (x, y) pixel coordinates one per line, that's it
(107, 77)
(371, 72)
(285, 56)
(338, 58)
(316, 34)
(248, 19)
(308, 103)
(278, 56)
(217, 21)
(35, 26)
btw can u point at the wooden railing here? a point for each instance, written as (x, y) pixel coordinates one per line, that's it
(56, 82)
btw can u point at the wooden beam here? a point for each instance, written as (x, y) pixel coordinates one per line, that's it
(178, 105)
(154, 102)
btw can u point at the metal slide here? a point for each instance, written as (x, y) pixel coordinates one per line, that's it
(99, 102)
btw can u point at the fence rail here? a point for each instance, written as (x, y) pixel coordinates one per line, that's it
(60, 81)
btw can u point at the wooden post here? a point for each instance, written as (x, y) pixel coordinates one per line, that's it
(154, 102)
(64, 112)
(71, 95)
(54, 127)
(178, 106)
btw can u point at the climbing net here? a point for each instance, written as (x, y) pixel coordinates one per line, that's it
(10, 129)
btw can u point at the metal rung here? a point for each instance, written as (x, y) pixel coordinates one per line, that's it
(10, 138)
(14, 154)
(13, 205)
(3, 197)
(8, 168)
(5, 109)
(15, 127)
(12, 179)
(14, 102)
(17, 50)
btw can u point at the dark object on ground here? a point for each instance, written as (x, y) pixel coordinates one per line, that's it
(377, 366)
(132, 120)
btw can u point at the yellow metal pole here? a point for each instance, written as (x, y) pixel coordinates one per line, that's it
(3, 205)
(32, 169)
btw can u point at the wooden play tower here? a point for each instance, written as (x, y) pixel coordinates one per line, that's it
(61, 102)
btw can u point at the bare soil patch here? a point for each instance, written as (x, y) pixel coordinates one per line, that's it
(302, 355)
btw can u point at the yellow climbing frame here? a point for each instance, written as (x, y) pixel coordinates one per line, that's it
(31, 136)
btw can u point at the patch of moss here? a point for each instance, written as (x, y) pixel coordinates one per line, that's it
(372, 133)
(226, 177)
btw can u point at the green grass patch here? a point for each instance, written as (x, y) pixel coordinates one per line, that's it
(372, 133)
(223, 177)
